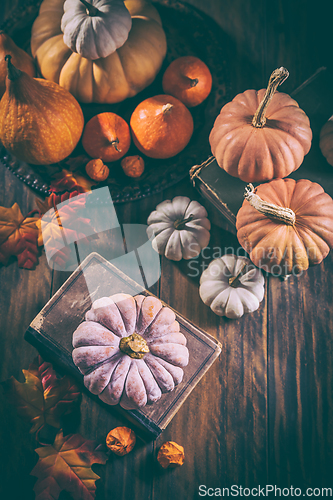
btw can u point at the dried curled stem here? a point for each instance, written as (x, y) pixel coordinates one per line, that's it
(281, 214)
(277, 77)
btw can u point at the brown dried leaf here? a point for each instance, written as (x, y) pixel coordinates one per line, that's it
(171, 454)
(66, 466)
(121, 440)
(42, 398)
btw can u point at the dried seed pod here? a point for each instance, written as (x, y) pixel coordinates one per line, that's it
(97, 170)
(133, 166)
(121, 440)
(171, 454)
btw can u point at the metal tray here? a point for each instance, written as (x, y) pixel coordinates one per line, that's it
(189, 32)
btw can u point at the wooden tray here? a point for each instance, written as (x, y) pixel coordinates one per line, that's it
(51, 333)
(188, 32)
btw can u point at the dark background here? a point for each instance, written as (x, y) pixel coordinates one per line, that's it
(263, 414)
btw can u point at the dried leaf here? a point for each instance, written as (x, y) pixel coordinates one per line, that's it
(42, 398)
(18, 236)
(171, 454)
(71, 181)
(63, 225)
(53, 200)
(121, 440)
(66, 466)
(76, 163)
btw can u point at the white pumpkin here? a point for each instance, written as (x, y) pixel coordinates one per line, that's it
(95, 28)
(130, 350)
(232, 286)
(179, 228)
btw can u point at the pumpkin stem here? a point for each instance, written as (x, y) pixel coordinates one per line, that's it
(282, 214)
(194, 82)
(115, 145)
(277, 77)
(12, 72)
(134, 346)
(167, 108)
(181, 223)
(90, 9)
(234, 281)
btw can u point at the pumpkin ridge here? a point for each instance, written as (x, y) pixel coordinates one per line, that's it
(101, 363)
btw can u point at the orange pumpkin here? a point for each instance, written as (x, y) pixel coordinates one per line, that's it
(286, 226)
(40, 122)
(261, 135)
(106, 136)
(189, 79)
(20, 60)
(161, 126)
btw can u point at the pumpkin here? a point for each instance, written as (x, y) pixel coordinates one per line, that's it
(20, 59)
(189, 79)
(231, 286)
(112, 79)
(130, 350)
(286, 226)
(106, 136)
(259, 136)
(179, 228)
(326, 140)
(161, 126)
(97, 28)
(40, 122)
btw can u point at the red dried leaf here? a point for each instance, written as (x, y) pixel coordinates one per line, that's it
(18, 236)
(66, 466)
(70, 181)
(64, 224)
(53, 200)
(42, 398)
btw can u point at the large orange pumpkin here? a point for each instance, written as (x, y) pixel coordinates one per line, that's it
(40, 122)
(261, 135)
(286, 226)
(112, 79)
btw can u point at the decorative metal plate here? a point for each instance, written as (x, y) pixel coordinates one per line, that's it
(189, 32)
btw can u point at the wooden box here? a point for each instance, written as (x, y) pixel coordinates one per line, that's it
(51, 333)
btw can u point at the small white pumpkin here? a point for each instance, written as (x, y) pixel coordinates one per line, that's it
(179, 228)
(232, 286)
(95, 28)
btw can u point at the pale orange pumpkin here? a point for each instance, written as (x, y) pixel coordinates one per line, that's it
(40, 122)
(20, 60)
(261, 135)
(286, 226)
(161, 126)
(122, 74)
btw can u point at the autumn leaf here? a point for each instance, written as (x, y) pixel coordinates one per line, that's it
(18, 236)
(70, 181)
(66, 466)
(42, 398)
(62, 226)
(53, 200)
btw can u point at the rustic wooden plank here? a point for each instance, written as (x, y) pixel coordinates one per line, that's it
(300, 378)
(22, 294)
(222, 425)
(130, 476)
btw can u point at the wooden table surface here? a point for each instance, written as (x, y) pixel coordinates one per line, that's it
(263, 414)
